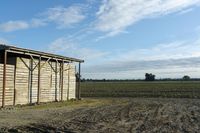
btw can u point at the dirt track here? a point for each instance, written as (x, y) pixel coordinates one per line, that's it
(105, 116)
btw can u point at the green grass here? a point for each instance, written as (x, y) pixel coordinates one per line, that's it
(88, 102)
(70, 103)
(176, 89)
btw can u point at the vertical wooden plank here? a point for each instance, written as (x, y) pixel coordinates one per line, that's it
(39, 73)
(4, 78)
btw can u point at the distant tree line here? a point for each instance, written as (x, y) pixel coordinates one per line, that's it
(148, 77)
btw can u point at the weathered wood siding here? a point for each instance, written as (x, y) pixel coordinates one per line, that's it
(9, 91)
(47, 92)
(69, 83)
(72, 82)
(21, 83)
(26, 82)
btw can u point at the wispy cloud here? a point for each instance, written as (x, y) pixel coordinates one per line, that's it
(172, 50)
(13, 26)
(64, 17)
(171, 72)
(185, 11)
(123, 66)
(35, 22)
(114, 16)
(69, 48)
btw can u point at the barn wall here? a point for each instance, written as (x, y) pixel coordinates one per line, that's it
(48, 82)
(49, 87)
(21, 90)
(9, 91)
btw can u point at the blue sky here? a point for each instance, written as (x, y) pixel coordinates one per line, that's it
(116, 38)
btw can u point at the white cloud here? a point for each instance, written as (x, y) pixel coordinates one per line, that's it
(185, 11)
(181, 57)
(61, 45)
(13, 26)
(35, 22)
(69, 48)
(139, 74)
(3, 41)
(115, 16)
(172, 50)
(64, 17)
(21, 25)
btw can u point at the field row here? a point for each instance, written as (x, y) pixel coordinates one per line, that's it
(187, 89)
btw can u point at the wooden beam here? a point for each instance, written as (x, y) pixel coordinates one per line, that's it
(39, 73)
(79, 81)
(4, 78)
(25, 64)
(14, 96)
(68, 82)
(44, 63)
(52, 67)
(56, 89)
(38, 53)
(30, 81)
(66, 59)
(34, 60)
(61, 73)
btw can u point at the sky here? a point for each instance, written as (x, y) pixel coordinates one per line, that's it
(118, 39)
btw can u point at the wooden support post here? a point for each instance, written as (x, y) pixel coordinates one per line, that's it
(68, 78)
(4, 78)
(62, 80)
(30, 80)
(56, 82)
(14, 99)
(79, 81)
(39, 73)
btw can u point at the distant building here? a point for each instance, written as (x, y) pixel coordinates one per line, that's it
(29, 76)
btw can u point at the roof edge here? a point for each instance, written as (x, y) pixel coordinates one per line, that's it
(25, 50)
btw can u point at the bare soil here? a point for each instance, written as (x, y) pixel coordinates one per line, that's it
(111, 115)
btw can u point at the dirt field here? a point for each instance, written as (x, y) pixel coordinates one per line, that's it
(105, 116)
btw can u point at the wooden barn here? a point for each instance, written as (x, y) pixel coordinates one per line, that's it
(29, 76)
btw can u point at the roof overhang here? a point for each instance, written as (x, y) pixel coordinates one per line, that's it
(24, 51)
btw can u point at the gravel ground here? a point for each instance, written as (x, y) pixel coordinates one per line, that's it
(114, 115)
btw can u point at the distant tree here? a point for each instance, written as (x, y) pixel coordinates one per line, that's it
(186, 77)
(83, 80)
(149, 77)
